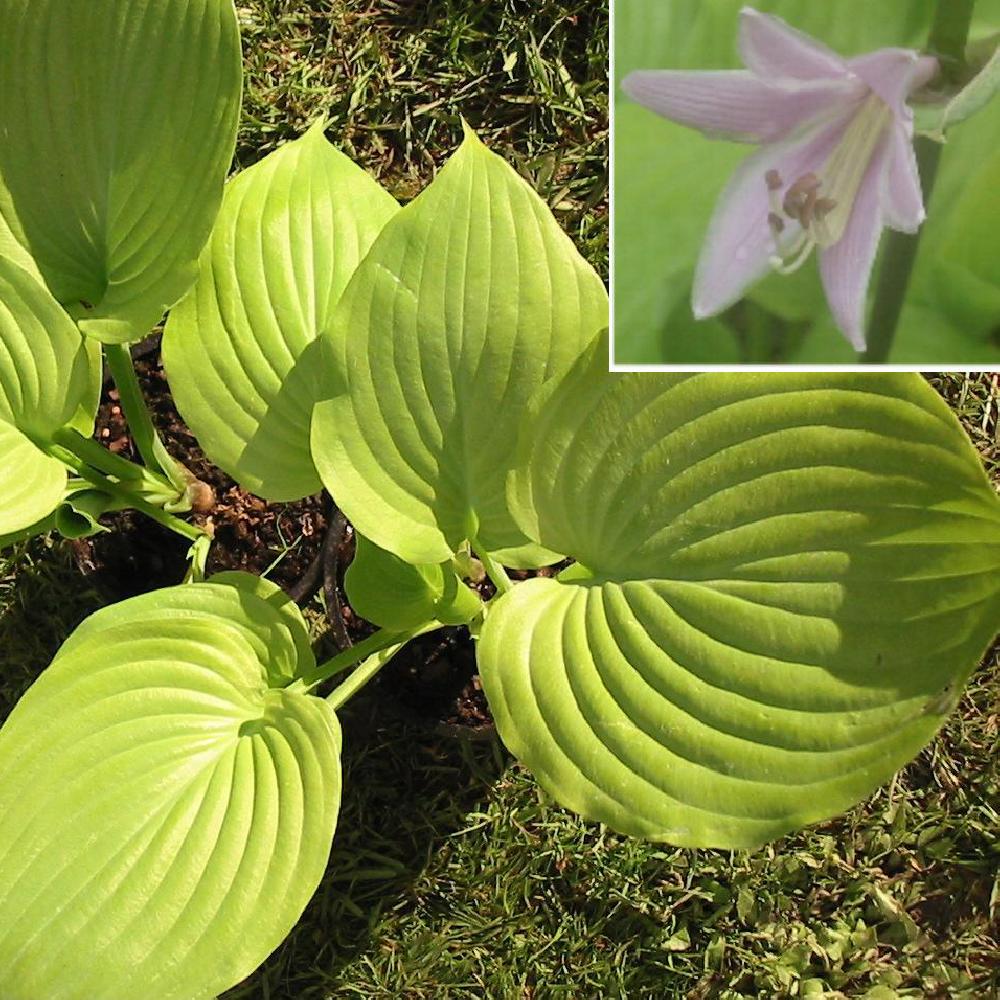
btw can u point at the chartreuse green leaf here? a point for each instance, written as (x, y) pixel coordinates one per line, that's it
(400, 596)
(122, 146)
(79, 513)
(784, 580)
(166, 801)
(32, 483)
(470, 298)
(11, 249)
(46, 381)
(240, 349)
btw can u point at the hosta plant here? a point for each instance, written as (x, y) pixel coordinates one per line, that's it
(773, 586)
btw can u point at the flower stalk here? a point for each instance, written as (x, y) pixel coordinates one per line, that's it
(897, 266)
(948, 38)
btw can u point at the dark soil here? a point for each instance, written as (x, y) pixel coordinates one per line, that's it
(432, 681)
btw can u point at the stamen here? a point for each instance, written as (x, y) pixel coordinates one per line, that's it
(800, 197)
(794, 253)
(844, 171)
(774, 185)
(822, 208)
(804, 245)
(822, 205)
(799, 203)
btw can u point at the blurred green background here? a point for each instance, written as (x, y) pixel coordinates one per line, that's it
(667, 179)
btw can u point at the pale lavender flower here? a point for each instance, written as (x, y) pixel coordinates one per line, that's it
(835, 167)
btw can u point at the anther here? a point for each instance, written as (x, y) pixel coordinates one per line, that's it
(774, 184)
(800, 198)
(807, 182)
(776, 222)
(823, 207)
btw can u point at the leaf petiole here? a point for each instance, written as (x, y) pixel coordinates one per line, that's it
(366, 670)
(369, 655)
(97, 456)
(198, 559)
(119, 488)
(140, 424)
(496, 572)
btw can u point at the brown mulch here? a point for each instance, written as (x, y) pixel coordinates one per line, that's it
(433, 680)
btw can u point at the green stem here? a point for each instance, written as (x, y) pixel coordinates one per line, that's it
(347, 658)
(494, 570)
(148, 484)
(948, 38)
(950, 35)
(140, 424)
(368, 668)
(121, 491)
(198, 559)
(370, 655)
(897, 266)
(99, 457)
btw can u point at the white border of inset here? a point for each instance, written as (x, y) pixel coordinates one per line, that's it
(930, 366)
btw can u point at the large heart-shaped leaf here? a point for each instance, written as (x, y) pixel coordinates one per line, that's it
(470, 299)
(240, 348)
(47, 380)
(118, 122)
(166, 801)
(784, 581)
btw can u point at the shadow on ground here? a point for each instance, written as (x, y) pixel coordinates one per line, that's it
(43, 598)
(406, 789)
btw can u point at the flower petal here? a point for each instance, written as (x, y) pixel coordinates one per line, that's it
(902, 197)
(894, 74)
(738, 246)
(846, 266)
(771, 48)
(734, 104)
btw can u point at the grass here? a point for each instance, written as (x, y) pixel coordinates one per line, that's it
(451, 876)
(395, 79)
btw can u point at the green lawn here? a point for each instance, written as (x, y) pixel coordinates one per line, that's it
(395, 80)
(450, 874)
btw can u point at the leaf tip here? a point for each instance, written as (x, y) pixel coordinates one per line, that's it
(318, 128)
(469, 133)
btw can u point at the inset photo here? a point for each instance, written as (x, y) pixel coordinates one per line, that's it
(801, 183)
